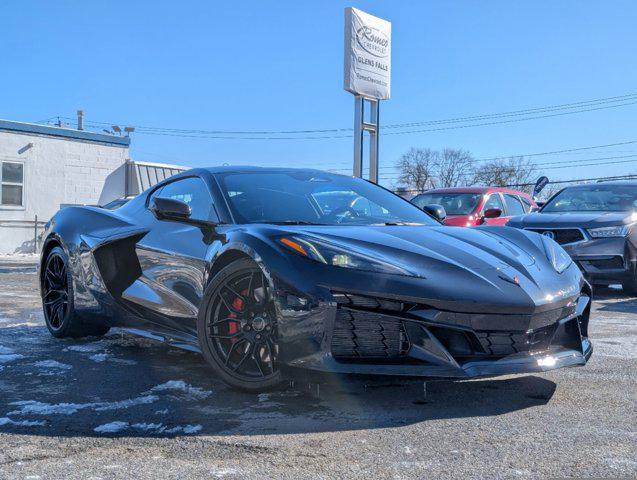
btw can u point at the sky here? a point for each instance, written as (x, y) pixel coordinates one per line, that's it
(278, 66)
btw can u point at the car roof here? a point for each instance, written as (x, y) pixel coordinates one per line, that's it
(254, 169)
(475, 190)
(631, 183)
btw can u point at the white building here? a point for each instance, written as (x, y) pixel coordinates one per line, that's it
(45, 168)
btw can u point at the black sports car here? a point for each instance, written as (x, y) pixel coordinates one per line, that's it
(277, 272)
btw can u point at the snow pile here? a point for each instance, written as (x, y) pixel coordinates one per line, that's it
(40, 408)
(10, 357)
(117, 426)
(52, 364)
(22, 423)
(99, 357)
(179, 386)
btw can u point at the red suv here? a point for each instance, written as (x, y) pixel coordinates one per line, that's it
(472, 206)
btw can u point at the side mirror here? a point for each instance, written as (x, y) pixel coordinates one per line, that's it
(492, 213)
(534, 209)
(436, 211)
(169, 208)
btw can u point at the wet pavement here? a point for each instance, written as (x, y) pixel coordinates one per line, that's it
(122, 406)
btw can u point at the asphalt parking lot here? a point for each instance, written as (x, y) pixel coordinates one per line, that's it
(122, 407)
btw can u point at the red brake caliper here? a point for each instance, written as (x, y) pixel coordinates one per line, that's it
(233, 327)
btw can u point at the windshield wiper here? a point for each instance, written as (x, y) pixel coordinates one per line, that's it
(394, 224)
(288, 222)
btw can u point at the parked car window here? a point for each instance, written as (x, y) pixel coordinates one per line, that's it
(514, 206)
(526, 204)
(453, 203)
(493, 201)
(315, 198)
(192, 191)
(594, 198)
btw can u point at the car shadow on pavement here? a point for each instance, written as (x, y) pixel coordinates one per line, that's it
(125, 386)
(614, 300)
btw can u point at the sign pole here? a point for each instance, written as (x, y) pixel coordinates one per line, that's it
(373, 141)
(367, 76)
(359, 105)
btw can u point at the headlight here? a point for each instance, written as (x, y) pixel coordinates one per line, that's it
(605, 232)
(556, 254)
(329, 254)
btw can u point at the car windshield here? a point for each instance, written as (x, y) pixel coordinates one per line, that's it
(299, 197)
(453, 203)
(594, 198)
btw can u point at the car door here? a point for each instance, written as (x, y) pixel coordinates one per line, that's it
(172, 257)
(513, 206)
(494, 201)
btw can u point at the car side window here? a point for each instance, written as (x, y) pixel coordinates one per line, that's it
(493, 201)
(192, 191)
(526, 203)
(514, 206)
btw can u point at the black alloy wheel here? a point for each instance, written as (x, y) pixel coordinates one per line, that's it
(55, 291)
(240, 328)
(57, 299)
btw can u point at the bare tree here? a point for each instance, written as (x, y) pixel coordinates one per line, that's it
(452, 167)
(416, 168)
(505, 172)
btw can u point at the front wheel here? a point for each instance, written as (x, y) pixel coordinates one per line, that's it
(237, 328)
(57, 299)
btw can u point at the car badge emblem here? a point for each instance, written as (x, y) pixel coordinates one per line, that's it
(549, 234)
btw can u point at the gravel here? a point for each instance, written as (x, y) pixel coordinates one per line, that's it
(122, 407)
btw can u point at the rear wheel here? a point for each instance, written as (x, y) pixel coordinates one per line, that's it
(237, 328)
(57, 299)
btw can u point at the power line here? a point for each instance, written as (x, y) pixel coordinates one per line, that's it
(556, 182)
(536, 154)
(561, 164)
(577, 107)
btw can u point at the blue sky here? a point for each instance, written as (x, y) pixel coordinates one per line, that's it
(278, 66)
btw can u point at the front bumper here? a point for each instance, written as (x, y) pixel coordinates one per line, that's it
(605, 260)
(371, 336)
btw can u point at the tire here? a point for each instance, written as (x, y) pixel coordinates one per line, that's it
(630, 287)
(57, 299)
(237, 328)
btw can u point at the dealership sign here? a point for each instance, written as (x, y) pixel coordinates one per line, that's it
(367, 55)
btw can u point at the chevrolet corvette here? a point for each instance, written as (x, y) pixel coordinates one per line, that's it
(273, 273)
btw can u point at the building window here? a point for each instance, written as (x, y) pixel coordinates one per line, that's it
(11, 184)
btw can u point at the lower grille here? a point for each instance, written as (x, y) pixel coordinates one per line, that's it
(368, 335)
(562, 236)
(498, 344)
(606, 264)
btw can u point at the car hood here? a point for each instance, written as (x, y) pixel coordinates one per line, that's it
(424, 248)
(572, 219)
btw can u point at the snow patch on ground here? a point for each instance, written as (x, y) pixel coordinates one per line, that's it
(40, 408)
(182, 387)
(87, 348)
(10, 357)
(99, 357)
(52, 364)
(131, 402)
(112, 427)
(22, 423)
(117, 426)
(224, 472)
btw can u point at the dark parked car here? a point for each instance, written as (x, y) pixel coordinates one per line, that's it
(274, 272)
(473, 206)
(597, 225)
